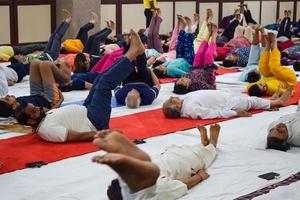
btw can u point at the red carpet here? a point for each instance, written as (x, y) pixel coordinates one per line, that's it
(220, 71)
(16, 152)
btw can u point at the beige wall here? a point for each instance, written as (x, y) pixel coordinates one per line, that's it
(187, 8)
(81, 14)
(34, 23)
(133, 17)
(268, 12)
(213, 6)
(228, 8)
(108, 12)
(167, 15)
(5, 25)
(286, 6)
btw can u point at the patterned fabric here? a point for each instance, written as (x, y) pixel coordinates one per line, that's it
(185, 47)
(203, 78)
(294, 51)
(288, 181)
(243, 55)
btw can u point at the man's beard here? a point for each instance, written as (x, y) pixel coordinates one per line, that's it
(42, 115)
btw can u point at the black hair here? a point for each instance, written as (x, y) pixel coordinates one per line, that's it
(277, 144)
(284, 54)
(253, 77)
(6, 110)
(254, 90)
(159, 73)
(114, 191)
(79, 62)
(171, 112)
(157, 63)
(228, 63)
(180, 89)
(13, 60)
(296, 65)
(21, 116)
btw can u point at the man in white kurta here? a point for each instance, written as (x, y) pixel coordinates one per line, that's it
(208, 104)
(292, 123)
(176, 165)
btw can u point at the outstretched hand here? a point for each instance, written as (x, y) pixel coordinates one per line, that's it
(243, 114)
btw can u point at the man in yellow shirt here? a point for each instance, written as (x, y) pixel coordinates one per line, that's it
(149, 5)
(274, 75)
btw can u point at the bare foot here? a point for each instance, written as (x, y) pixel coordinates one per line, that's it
(272, 39)
(94, 18)
(107, 23)
(203, 174)
(137, 174)
(112, 25)
(214, 134)
(114, 142)
(243, 113)
(276, 94)
(203, 134)
(66, 15)
(285, 96)
(136, 46)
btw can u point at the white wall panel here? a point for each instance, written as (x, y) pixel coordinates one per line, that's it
(34, 23)
(187, 8)
(133, 17)
(268, 12)
(286, 6)
(167, 16)
(228, 8)
(213, 6)
(5, 25)
(108, 12)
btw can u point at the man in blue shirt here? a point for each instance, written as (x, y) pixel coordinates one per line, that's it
(140, 88)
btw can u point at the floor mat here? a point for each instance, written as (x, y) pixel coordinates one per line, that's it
(16, 152)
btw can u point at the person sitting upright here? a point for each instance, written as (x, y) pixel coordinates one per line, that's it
(274, 75)
(210, 104)
(285, 132)
(80, 123)
(169, 175)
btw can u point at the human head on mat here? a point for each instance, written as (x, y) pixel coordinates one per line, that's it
(274, 74)
(209, 104)
(285, 132)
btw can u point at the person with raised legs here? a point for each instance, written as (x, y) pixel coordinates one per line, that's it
(168, 175)
(80, 123)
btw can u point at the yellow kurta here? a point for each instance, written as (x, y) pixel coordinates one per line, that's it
(6, 52)
(73, 46)
(275, 75)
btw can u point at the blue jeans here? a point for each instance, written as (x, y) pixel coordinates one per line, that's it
(254, 56)
(98, 102)
(54, 43)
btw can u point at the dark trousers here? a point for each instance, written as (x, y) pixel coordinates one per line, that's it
(285, 28)
(98, 102)
(249, 18)
(92, 45)
(82, 34)
(229, 31)
(54, 43)
(21, 69)
(148, 14)
(28, 48)
(141, 74)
